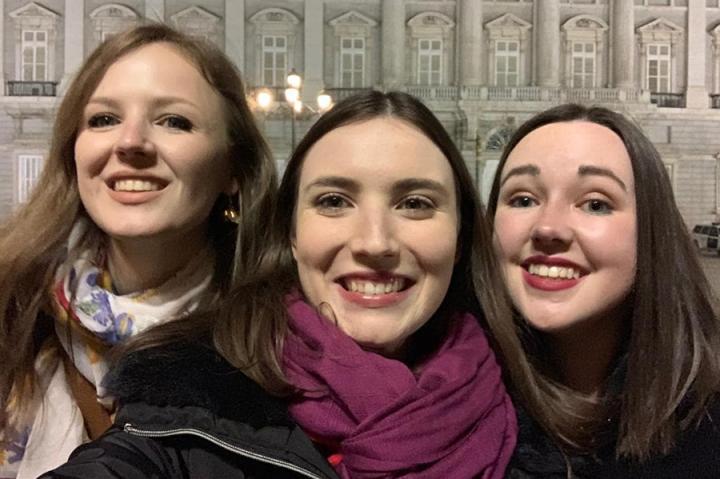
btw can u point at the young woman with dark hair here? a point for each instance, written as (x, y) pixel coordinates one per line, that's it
(153, 140)
(620, 328)
(371, 296)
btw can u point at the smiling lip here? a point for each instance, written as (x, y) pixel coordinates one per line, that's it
(134, 189)
(373, 290)
(550, 271)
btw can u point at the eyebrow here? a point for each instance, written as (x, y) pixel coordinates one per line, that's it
(521, 170)
(409, 184)
(157, 102)
(334, 181)
(398, 187)
(586, 170)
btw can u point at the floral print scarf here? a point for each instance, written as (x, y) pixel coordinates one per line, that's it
(90, 319)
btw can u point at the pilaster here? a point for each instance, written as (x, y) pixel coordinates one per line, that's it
(74, 41)
(623, 50)
(393, 43)
(470, 19)
(235, 32)
(314, 48)
(696, 95)
(3, 19)
(547, 56)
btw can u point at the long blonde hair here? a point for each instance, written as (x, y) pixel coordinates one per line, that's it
(33, 241)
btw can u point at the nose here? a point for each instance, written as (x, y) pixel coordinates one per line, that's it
(374, 235)
(553, 230)
(134, 140)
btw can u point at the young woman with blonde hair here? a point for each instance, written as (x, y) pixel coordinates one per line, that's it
(126, 229)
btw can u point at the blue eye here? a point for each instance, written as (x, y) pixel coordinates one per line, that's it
(177, 122)
(597, 207)
(102, 120)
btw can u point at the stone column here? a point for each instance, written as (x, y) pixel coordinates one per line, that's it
(547, 53)
(470, 58)
(155, 10)
(393, 43)
(696, 95)
(74, 38)
(314, 48)
(235, 33)
(623, 43)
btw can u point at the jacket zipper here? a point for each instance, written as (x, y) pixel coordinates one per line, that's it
(130, 429)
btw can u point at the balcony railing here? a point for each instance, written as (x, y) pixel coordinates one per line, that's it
(31, 88)
(338, 94)
(552, 94)
(668, 100)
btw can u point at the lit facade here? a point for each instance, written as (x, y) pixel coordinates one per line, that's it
(482, 66)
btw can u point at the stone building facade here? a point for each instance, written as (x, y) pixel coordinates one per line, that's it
(483, 66)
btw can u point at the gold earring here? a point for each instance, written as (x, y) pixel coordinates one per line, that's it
(231, 215)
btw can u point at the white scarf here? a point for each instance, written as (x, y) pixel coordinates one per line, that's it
(97, 320)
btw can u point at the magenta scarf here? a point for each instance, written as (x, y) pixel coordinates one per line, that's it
(453, 419)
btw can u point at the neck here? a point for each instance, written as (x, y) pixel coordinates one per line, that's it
(139, 264)
(585, 355)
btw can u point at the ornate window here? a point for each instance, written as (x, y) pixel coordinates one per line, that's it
(430, 58)
(431, 40)
(715, 33)
(111, 19)
(199, 23)
(507, 62)
(584, 41)
(354, 37)
(352, 61)
(28, 171)
(659, 44)
(275, 37)
(507, 43)
(274, 60)
(35, 38)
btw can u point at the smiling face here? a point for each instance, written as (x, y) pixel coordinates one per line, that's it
(565, 226)
(375, 231)
(150, 150)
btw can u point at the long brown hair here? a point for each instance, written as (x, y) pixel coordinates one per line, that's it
(33, 240)
(251, 330)
(673, 336)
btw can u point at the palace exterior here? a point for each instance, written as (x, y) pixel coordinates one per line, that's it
(482, 66)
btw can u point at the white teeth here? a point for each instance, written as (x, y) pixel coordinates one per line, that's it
(135, 185)
(554, 272)
(371, 288)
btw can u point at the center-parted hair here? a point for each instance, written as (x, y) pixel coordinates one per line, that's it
(255, 322)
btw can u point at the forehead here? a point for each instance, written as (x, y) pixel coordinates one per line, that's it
(565, 146)
(380, 148)
(158, 62)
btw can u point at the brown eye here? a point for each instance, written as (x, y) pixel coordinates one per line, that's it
(522, 201)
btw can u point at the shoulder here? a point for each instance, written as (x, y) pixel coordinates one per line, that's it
(194, 375)
(117, 454)
(696, 454)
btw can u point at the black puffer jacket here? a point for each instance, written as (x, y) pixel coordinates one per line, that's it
(185, 412)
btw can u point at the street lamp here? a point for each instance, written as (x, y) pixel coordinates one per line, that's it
(264, 100)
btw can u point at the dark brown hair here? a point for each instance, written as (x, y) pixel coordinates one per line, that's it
(33, 240)
(255, 323)
(673, 336)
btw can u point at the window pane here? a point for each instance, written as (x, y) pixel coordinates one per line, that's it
(40, 36)
(346, 43)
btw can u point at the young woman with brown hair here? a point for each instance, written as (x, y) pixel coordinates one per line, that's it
(620, 328)
(366, 313)
(153, 141)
